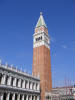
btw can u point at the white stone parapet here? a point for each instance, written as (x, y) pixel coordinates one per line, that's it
(13, 69)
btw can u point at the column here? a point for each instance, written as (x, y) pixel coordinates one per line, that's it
(14, 82)
(9, 80)
(31, 85)
(38, 98)
(27, 84)
(19, 83)
(1, 98)
(38, 86)
(18, 98)
(23, 84)
(3, 79)
(8, 95)
(34, 86)
(34, 98)
(22, 97)
(31, 97)
(27, 97)
(13, 97)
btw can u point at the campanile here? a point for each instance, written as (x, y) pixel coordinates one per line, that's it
(41, 56)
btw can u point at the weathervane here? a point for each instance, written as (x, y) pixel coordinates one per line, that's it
(41, 13)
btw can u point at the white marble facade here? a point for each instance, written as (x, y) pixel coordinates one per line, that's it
(18, 85)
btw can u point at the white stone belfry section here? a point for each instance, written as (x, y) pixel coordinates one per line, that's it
(40, 37)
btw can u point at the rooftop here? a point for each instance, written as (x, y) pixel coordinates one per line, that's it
(41, 21)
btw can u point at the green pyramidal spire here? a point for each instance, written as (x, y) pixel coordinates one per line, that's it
(41, 21)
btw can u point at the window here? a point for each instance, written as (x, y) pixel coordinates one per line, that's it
(12, 81)
(7, 80)
(39, 38)
(0, 78)
(17, 82)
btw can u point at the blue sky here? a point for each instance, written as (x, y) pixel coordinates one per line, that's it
(18, 19)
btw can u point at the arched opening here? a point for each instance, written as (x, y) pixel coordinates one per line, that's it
(0, 78)
(33, 86)
(4, 97)
(36, 86)
(12, 81)
(32, 97)
(20, 97)
(29, 98)
(24, 97)
(26, 83)
(16, 96)
(17, 82)
(7, 80)
(29, 85)
(21, 83)
(35, 97)
(10, 98)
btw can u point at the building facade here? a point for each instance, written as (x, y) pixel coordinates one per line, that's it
(41, 56)
(18, 85)
(61, 93)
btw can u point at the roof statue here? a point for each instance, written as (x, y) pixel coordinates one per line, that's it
(41, 21)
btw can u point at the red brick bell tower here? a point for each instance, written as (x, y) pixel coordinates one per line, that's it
(41, 56)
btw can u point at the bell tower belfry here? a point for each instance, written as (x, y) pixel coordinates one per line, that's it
(41, 56)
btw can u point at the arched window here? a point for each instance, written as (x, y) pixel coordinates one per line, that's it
(26, 84)
(17, 82)
(20, 97)
(0, 77)
(12, 81)
(21, 83)
(10, 98)
(16, 95)
(7, 77)
(4, 97)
